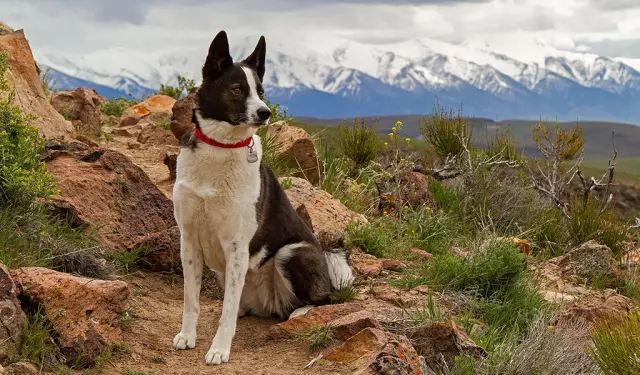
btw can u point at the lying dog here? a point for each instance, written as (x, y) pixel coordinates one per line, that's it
(233, 214)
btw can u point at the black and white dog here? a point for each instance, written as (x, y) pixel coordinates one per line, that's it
(233, 214)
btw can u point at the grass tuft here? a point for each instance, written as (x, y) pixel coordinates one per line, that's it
(319, 337)
(616, 345)
(360, 142)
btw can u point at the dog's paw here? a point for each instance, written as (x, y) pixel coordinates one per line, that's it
(216, 356)
(184, 341)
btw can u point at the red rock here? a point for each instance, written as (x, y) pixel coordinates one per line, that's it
(23, 78)
(81, 105)
(182, 112)
(154, 104)
(353, 323)
(393, 265)
(416, 191)
(111, 193)
(374, 351)
(368, 267)
(441, 343)
(11, 318)
(86, 140)
(394, 296)
(161, 251)
(602, 305)
(156, 136)
(421, 255)
(325, 212)
(83, 312)
(317, 316)
(297, 148)
(128, 120)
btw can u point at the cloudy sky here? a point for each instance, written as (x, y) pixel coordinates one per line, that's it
(607, 27)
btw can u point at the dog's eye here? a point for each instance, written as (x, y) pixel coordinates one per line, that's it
(261, 93)
(236, 90)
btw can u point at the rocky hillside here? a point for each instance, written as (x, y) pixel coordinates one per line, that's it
(461, 267)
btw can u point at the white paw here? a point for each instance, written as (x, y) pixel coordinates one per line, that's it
(301, 311)
(184, 341)
(216, 356)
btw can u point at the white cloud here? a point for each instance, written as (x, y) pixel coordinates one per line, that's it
(82, 26)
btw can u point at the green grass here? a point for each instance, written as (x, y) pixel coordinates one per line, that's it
(38, 346)
(345, 294)
(616, 348)
(359, 142)
(319, 337)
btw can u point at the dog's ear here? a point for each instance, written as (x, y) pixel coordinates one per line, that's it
(256, 60)
(219, 58)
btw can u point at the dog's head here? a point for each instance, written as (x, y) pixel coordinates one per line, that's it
(232, 92)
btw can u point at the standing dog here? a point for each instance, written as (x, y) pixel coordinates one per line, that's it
(233, 214)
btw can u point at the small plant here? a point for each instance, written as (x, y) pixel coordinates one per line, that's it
(504, 146)
(116, 107)
(616, 345)
(286, 183)
(48, 84)
(359, 143)
(319, 337)
(278, 113)
(38, 346)
(270, 153)
(128, 261)
(373, 238)
(346, 293)
(449, 134)
(184, 86)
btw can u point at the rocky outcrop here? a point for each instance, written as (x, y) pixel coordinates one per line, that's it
(24, 80)
(161, 251)
(322, 316)
(294, 145)
(157, 104)
(83, 312)
(80, 106)
(441, 343)
(182, 112)
(112, 194)
(415, 191)
(325, 213)
(592, 259)
(373, 351)
(151, 134)
(597, 306)
(11, 317)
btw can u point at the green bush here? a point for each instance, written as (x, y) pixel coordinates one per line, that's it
(616, 345)
(116, 107)
(23, 177)
(504, 146)
(587, 222)
(446, 132)
(447, 199)
(484, 273)
(432, 231)
(360, 142)
(278, 113)
(184, 86)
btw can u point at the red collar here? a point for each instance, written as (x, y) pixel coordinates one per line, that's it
(201, 136)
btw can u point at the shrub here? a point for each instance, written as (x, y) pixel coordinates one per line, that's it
(432, 231)
(446, 132)
(23, 177)
(374, 238)
(278, 113)
(484, 274)
(447, 199)
(616, 345)
(116, 107)
(359, 143)
(184, 86)
(587, 222)
(504, 146)
(560, 144)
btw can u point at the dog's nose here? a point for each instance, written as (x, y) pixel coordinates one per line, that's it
(264, 113)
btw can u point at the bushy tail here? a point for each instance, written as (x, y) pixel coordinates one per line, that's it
(332, 244)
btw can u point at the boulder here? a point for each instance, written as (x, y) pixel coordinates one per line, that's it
(83, 312)
(393, 265)
(592, 259)
(415, 190)
(294, 145)
(420, 255)
(111, 193)
(161, 251)
(182, 112)
(80, 106)
(373, 351)
(325, 212)
(11, 317)
(368, 267)
(154, 135)
(441, 343)
(24, 80)
(157, 104)
(317, 316)
(598, 306)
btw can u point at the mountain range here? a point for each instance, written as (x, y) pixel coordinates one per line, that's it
(327, 77)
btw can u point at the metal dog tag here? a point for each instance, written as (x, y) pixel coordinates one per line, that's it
(252, 156)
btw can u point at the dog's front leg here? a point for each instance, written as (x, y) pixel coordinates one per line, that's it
(236, 270)
(192, 263)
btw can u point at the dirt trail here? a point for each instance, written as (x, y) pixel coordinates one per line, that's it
(156, 304)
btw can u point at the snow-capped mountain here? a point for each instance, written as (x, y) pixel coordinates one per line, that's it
(333, 77)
